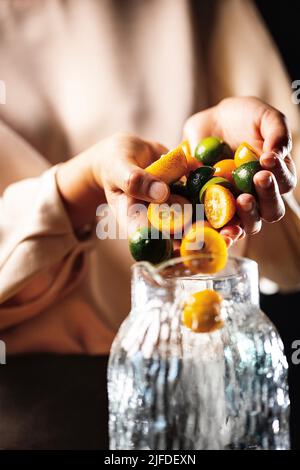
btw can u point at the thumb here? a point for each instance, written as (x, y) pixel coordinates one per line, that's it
(275, 132)
(139, 184)
(135, 182)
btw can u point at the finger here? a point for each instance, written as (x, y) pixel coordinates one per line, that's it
(176, 245)
(139, 184)
(271, 205)
(247, 211)
(130, 213)
(228, 241)
(197, 127)
(275, 132)
(129, 178)
(136, 215)
(283, 170)
(232, 231)
(243, 235)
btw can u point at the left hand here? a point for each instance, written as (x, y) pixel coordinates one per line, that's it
(265, 128)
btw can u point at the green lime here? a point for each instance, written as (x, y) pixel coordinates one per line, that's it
(147, 244)
(226, 152)
(243, 176)
(178, 188)
(196, 180)
(215, 180)
(212, 149)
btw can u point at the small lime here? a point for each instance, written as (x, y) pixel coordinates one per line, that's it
(243, 176)
(212, 149)
(215, 180)
(146, 244)
(178, 188)
(197, 179)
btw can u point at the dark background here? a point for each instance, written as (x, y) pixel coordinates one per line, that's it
(283, 21)
(56, 409)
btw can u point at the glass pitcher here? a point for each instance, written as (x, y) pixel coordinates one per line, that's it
(172, 388)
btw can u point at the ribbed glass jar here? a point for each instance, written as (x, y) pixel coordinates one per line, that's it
(172, 388)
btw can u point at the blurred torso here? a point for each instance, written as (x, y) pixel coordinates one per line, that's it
(76, 72)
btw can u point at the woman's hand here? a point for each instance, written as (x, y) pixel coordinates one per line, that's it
(265, 128)
(111, 171)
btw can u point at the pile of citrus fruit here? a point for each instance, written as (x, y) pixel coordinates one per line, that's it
(214, 176)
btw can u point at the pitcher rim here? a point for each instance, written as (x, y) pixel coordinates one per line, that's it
(157, 270)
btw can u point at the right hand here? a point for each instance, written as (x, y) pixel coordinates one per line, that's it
(249, 119)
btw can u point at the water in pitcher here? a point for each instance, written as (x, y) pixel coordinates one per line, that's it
(172, 388)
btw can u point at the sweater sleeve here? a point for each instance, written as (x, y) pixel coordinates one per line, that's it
(35, 236)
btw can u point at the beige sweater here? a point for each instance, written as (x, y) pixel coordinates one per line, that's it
(76, 71)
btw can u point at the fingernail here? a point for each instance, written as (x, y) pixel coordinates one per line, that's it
(228, 241)
(233, 232)
(158, 191)
(265, 182)
(248, 206)
(270, 161)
